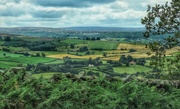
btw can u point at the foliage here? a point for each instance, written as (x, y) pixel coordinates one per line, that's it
(160, 20)
(70, 92)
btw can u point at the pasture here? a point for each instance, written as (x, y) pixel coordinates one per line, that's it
(11, 60)
(104, 45)
(132, 69)
(75, 41)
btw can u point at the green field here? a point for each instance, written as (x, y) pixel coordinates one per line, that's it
(132, 69)
(1, 42)
(6, 64)
(8, 54)
(74, 41)
(105, 45)
(44, 75)
(12, 60)
(30, 60)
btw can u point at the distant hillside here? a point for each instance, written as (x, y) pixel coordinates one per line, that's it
(64, 32)
(109, 29)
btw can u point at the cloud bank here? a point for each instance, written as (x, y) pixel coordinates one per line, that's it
(68, 13)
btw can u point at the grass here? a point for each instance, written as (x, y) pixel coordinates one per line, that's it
(14, 61)
(131, 69)
(57, 61)
(103, 45)
(18, 49)
(44, 75)
(92, 44)
(1, 42)
(74, 41)
(6, 64)
(9, 54)
(31, 60)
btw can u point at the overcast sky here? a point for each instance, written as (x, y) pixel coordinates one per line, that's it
(69, 13)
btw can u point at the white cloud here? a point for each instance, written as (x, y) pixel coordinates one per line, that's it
(117, 13)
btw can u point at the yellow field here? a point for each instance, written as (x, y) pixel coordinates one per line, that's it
(134, 55)
(173, 50)
(74, 56)
(131, 46)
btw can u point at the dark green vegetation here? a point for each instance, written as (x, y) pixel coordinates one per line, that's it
(21, 91)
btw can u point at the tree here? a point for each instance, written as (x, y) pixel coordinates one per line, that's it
(129, 58)
(93, 38)
(132, 50)
(98, 38)
(7, 38)
(88, 53)
(82, 49)
(72, 46)
(123, 59)
(37, 54)
(26, 54)
(161, 20)
(43, 54)
(104, 54)
(4, 54)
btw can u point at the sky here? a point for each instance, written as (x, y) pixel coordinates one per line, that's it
(74, 13)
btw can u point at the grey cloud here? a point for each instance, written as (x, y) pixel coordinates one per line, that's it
(47, 14)
(12, 11)
(70, 3)
(3, 2)
(120, 22)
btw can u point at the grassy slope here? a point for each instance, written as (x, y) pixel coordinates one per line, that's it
(131, 69)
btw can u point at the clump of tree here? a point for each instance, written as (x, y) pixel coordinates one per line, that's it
(7, 38)
(83, 49)
(127, 60)
(161, 20)
(6, 49)
(72, 46)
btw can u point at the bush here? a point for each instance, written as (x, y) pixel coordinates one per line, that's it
(132, 50)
